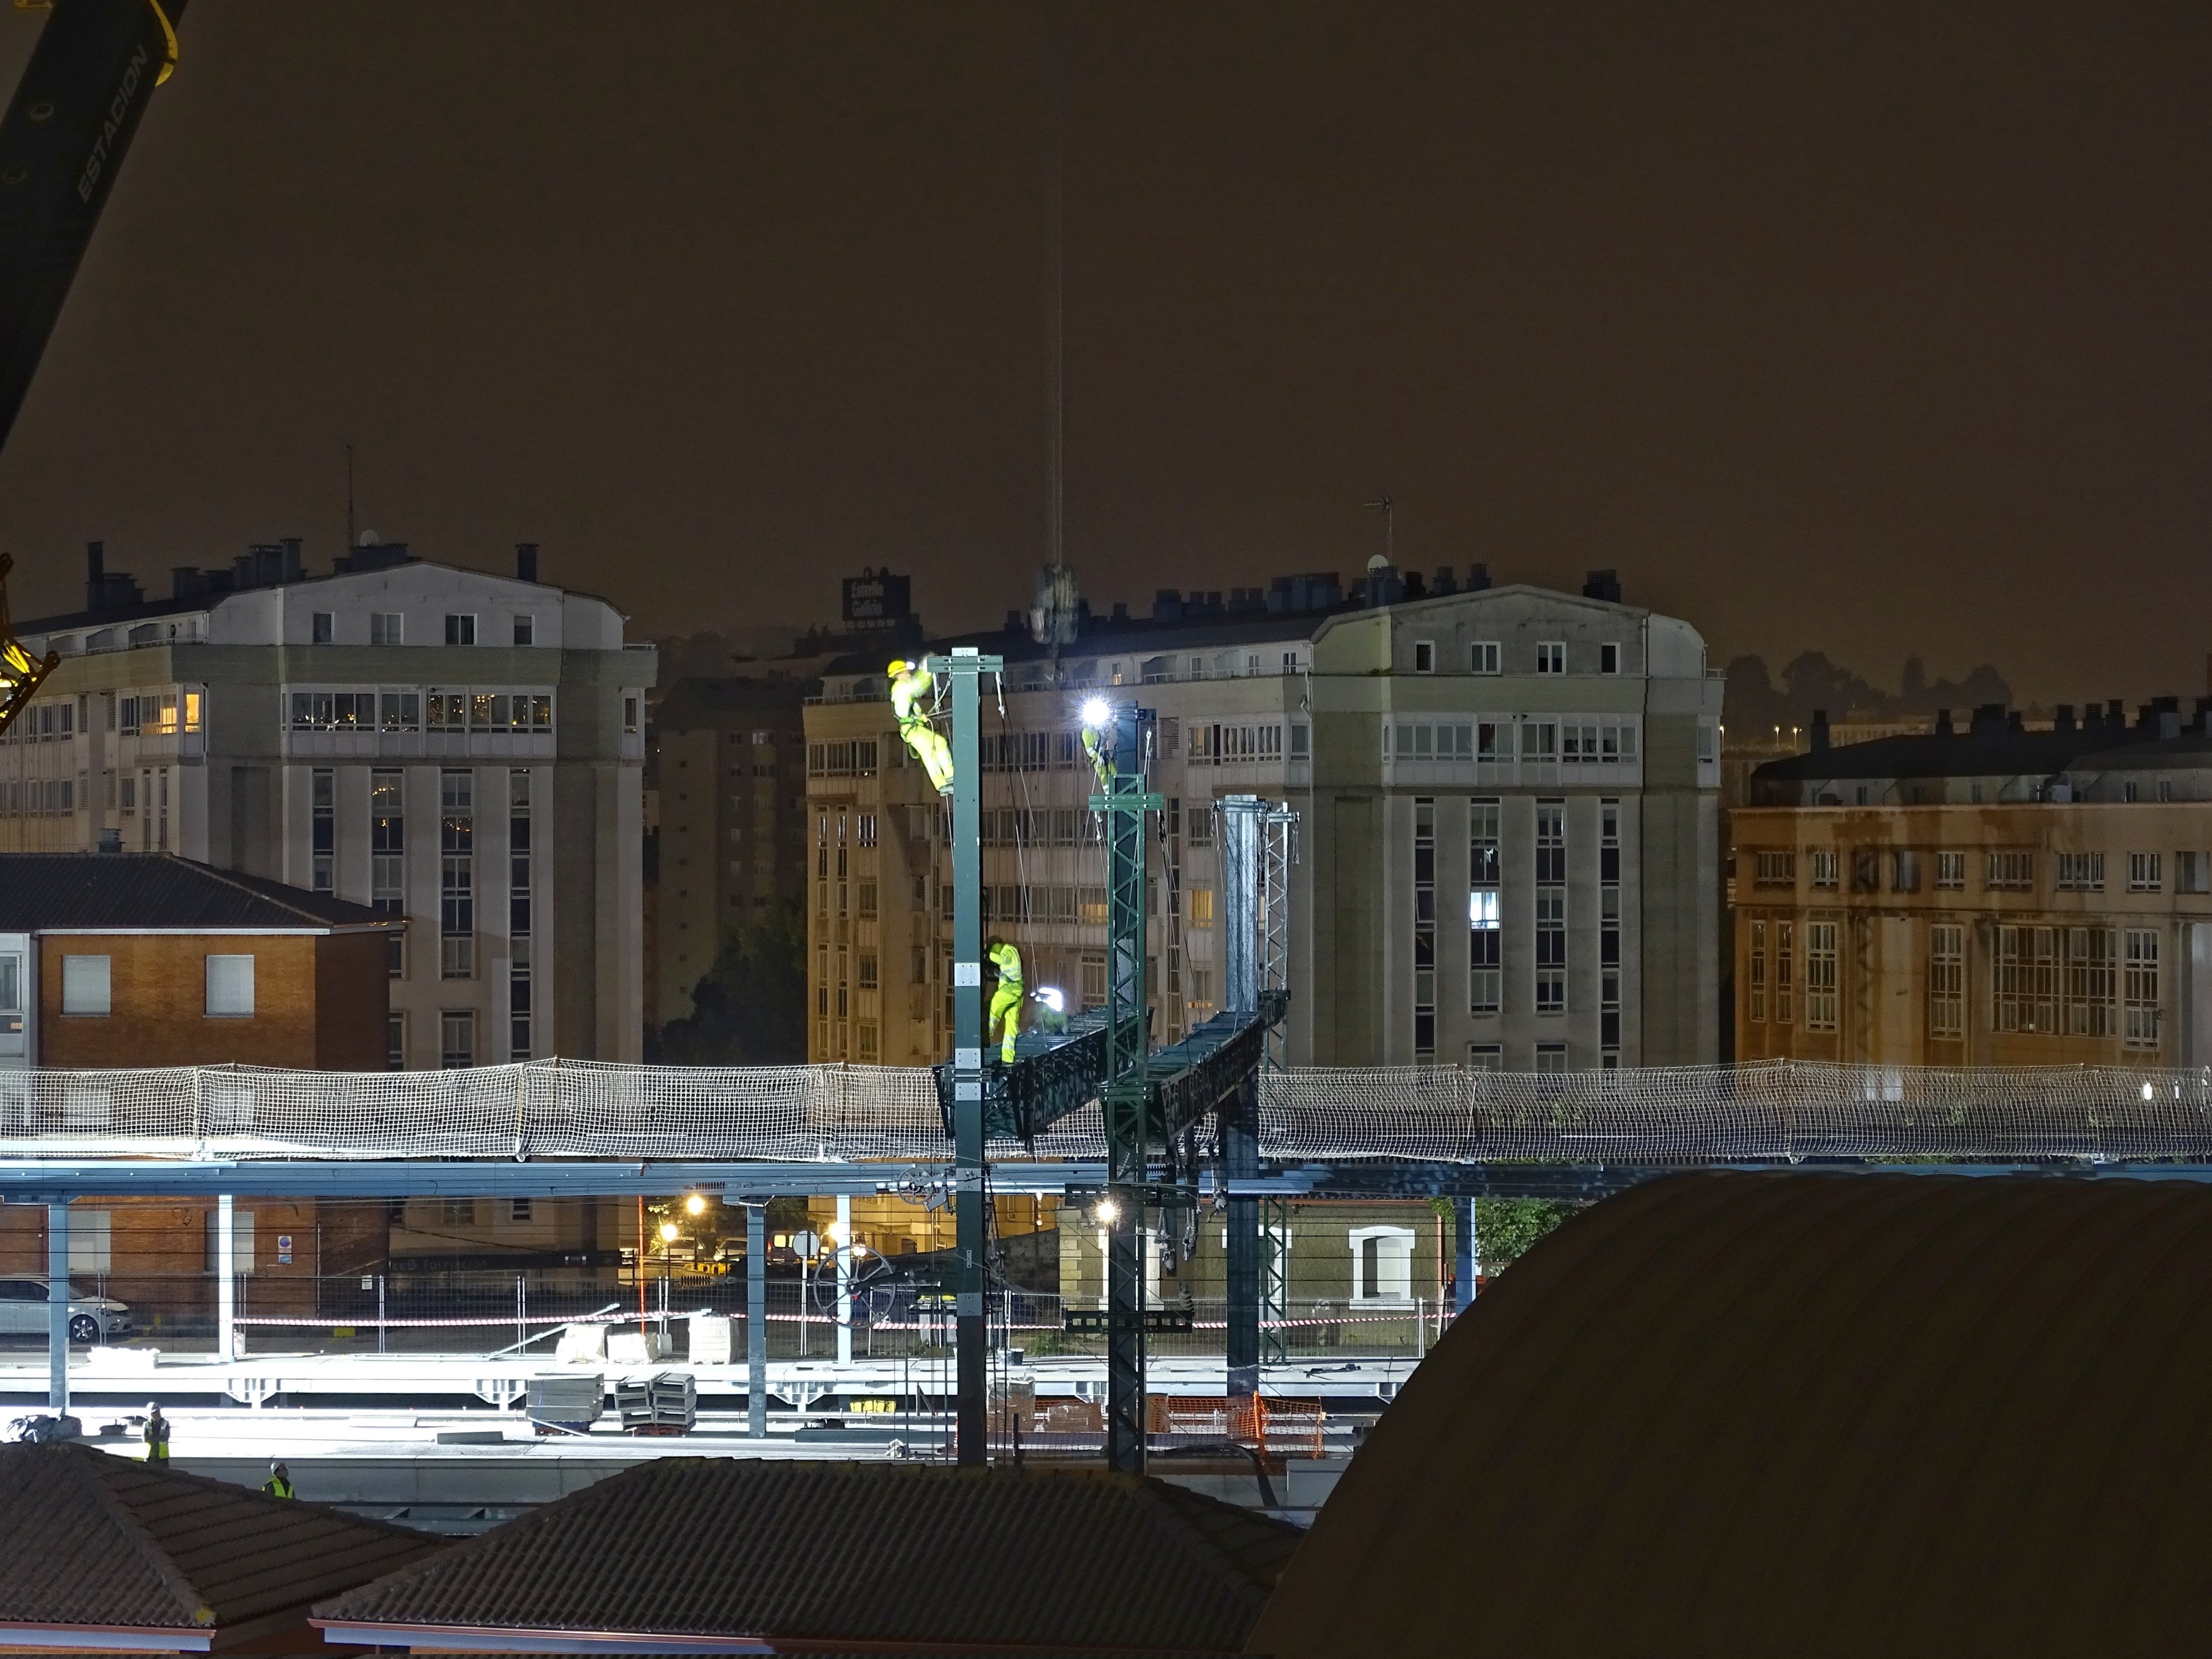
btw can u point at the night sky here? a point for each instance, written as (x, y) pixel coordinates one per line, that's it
(1878, 330)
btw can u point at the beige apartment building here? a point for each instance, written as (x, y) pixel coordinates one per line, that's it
(1508, 838)
(458, 748)
(1982, 896)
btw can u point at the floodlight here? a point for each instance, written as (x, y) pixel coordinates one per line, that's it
(1107, 1211)
(836, 1233)
(695, 1205)
(668, 1230)
(1096, 711)
(1053, 998)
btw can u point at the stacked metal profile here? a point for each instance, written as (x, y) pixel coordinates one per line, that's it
(666, 1402)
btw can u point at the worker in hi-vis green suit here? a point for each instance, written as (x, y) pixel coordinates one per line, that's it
(910, 684)
(1006, 1000)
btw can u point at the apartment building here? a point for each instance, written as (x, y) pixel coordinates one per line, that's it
(460, 749)
(1507, 803)
(725, 769)
(1985, 895)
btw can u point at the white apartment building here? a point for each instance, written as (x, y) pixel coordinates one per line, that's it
(1508, 813)
(463, 749)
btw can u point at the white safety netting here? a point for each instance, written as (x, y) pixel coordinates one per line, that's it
(1766, 1112)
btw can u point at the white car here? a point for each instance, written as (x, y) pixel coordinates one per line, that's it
(91, 1318)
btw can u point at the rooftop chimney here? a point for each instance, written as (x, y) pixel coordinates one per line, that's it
(1943, 723)
(1478, 577)
(1820, 730)
(1602, 585)
(526, 561)
(2062, 718)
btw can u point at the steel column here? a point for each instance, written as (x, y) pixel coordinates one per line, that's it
(964, 670)
(1126, 1103)
(1240, 1161)
(757, 1320)
(1463, 1253)
(844, 1279)
(57, 1304)
(225, 1270)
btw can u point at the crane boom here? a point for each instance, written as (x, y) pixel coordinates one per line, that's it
(61, 142)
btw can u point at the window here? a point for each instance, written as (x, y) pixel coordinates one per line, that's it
(457, 876)
(457, 1212)
(395, 1040)
(319, 627)
(1609, 934)
(2025, 998)
(323, 827)
(384, 628)
(1551, 1057)
(1773, 869)
(1608, 658)
(1202, 907)
(230, 987)
(631, 702)
(1482, 657)
(1904, 871)
(2080, 873)
(2145, 872)
(387, 859)
(519, 1209)
(1950, 872)
(525, 630)
(519, 893)
(1485, 954)
(457, 1038)
(2192, 872)
(85, 985)
(865, 829)
(1819, 867)
(461, 630)
(1755, 975)
(2139, 1024)
(1819, 975)
(1484, 1057)
(1551, 906)
(1785, 972)
(2090, 981)
(1425, 656)
(2129, 791)
(1709, 743)
(1424, 930)
(1382, 1265)
(1947, 980)
(1551, 657)
(2010, 871)
(1094, 980)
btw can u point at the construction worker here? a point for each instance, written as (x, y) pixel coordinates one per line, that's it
(279, 1483)
(910, 686)
(156, 1434)
(1006, 1000)
(1097, 747)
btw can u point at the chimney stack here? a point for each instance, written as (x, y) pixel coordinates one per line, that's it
(95, 575)
(1820, 730)
(526, 561)
(1603, 585)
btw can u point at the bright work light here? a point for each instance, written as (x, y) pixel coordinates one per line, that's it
(1096, 711)
(1053, 998)
(1107, 1211)
(668, 1232)
(695, 1205)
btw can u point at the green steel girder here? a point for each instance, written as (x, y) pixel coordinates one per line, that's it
(1053, 1075)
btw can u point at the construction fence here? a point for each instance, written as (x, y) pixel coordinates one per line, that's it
(1777, 1112)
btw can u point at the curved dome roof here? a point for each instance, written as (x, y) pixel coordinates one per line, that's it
(1801, 1413)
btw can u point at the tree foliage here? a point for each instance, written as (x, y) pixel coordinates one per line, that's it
(750, 1008)
(1504, 1228)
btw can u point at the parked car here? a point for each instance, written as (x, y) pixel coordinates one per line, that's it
(91, 1318)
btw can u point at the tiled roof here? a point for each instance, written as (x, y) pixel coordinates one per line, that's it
(857, 1551)
(158, 890)
(92, 1538)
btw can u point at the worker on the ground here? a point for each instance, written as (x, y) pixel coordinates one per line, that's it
(910, 684)
(279, 1483)
(156, 1433)
(1006, 1000)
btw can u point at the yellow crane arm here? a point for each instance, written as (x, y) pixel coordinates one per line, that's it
(20, 677)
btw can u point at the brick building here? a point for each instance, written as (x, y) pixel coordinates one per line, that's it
(115, 960)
